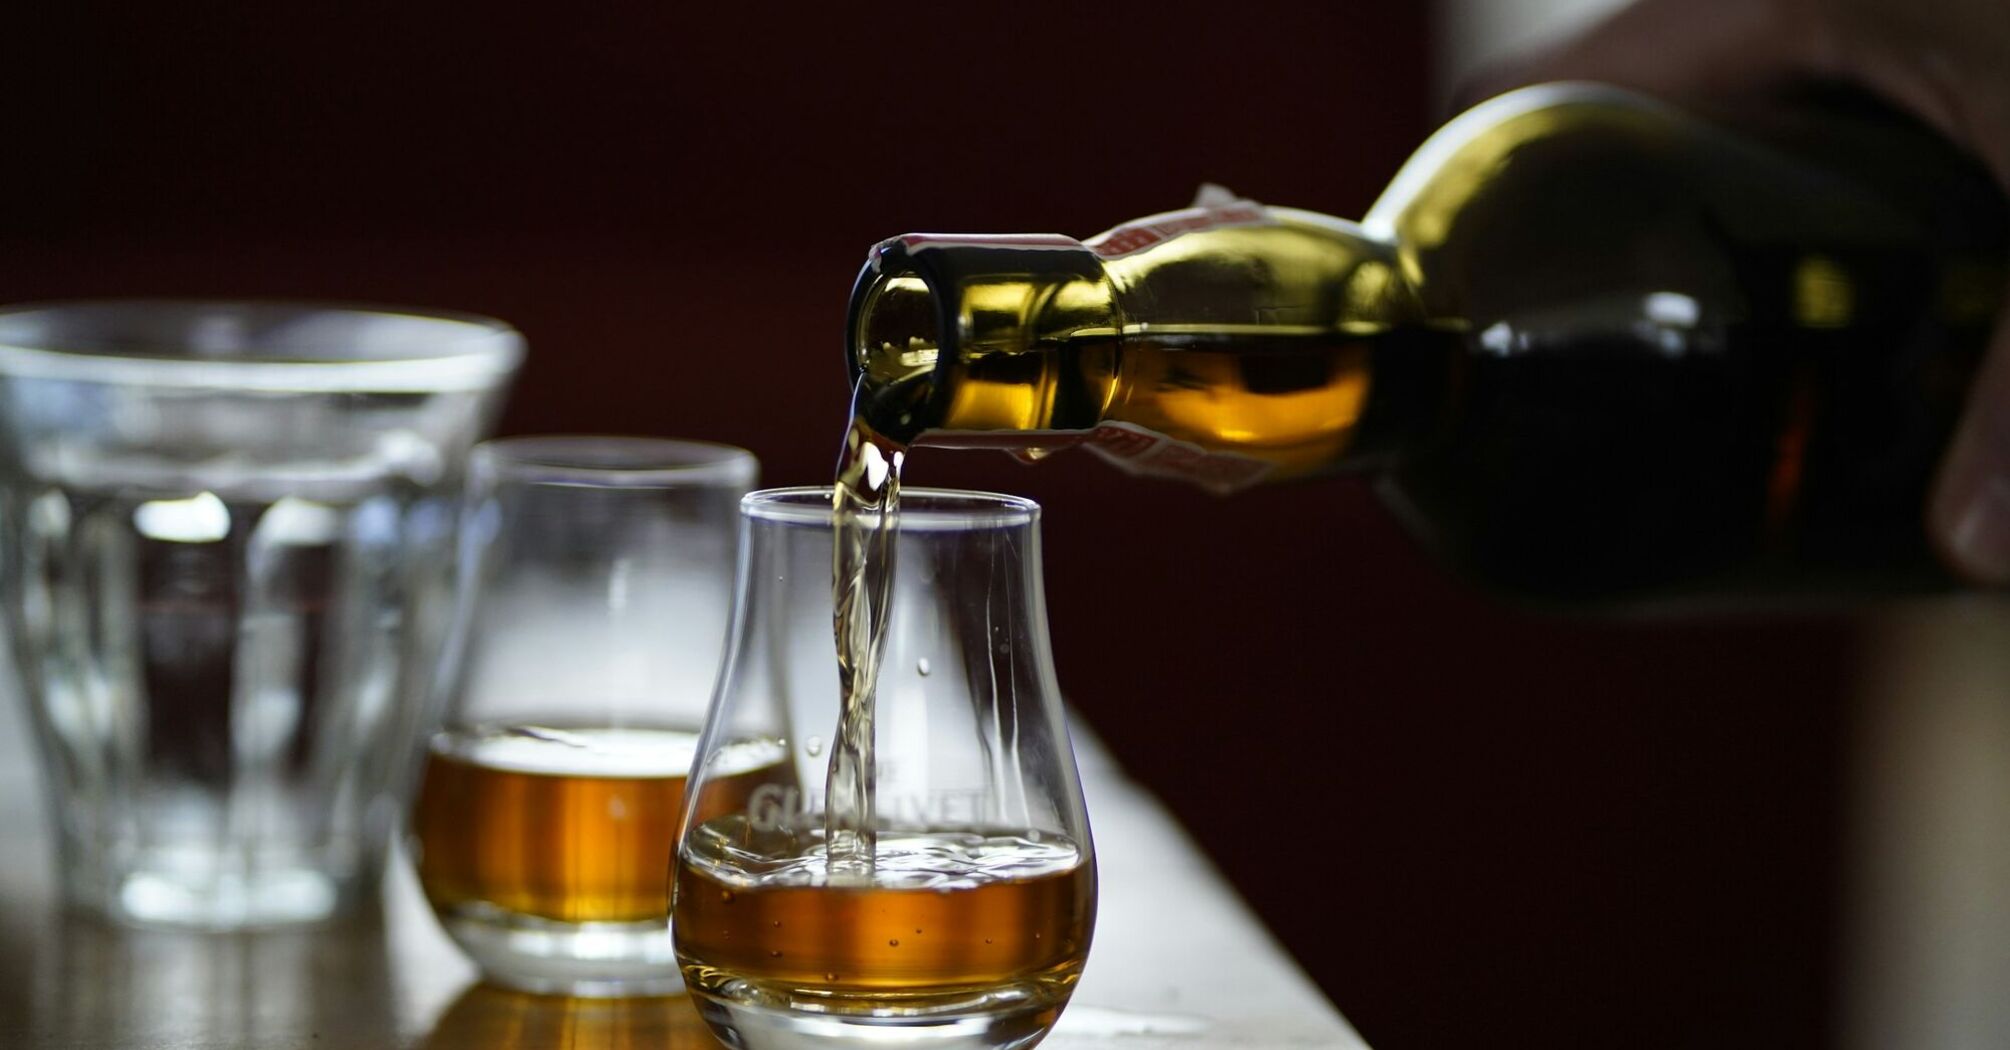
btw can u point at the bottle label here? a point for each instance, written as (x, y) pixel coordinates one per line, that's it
(1140, 450)
(1153, 230)
(1132, 448)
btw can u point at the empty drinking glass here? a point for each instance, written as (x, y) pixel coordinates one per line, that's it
(226, 530)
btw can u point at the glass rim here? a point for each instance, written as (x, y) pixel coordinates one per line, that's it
(613, 461)
(461, 351)
(921, 509)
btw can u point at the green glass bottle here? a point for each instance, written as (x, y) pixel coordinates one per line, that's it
(1587, 344)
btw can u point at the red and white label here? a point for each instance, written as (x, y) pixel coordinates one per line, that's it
(1139, 450)
(1153, 230)
(1134, 449)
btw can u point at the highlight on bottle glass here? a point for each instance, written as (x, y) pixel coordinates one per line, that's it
(595, 582)
(914, 866)
(227, 530)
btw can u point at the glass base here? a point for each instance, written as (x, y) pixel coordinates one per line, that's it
(273, 898)
(195, 890)
(595, 960)
(749, 1017)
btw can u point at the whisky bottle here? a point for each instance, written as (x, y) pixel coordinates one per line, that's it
(1585, 343)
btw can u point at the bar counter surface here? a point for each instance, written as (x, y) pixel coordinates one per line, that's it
(1178, 961)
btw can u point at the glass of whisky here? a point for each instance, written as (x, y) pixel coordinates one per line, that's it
(917, 870)
(594, 585)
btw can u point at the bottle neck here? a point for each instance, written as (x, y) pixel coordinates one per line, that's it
(957, 333)
(1224, 346)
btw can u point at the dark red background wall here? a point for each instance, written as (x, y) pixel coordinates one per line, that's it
(1471, 826)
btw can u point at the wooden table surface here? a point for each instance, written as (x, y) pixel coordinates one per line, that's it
(1178, 961)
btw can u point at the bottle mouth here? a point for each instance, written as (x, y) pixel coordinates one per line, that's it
(924, 301)
(921, 509)
(250, 345)
(898, 323)
(896, 328)
(894, 343)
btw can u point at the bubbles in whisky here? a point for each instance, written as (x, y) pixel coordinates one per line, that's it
(571, 825)
(945, 913)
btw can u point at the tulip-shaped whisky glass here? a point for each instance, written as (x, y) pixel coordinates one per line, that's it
(968, 923)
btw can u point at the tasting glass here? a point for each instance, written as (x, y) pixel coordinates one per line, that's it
(595, 581)
(963, 918)
(223, 534)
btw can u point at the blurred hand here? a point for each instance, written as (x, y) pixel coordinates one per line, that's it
(1946, 61)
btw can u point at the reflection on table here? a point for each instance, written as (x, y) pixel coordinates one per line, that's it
(489, 1018)
(85, 982)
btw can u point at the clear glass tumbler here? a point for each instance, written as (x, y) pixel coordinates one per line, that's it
(596, 579)
(225, 529)
(969, 922)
